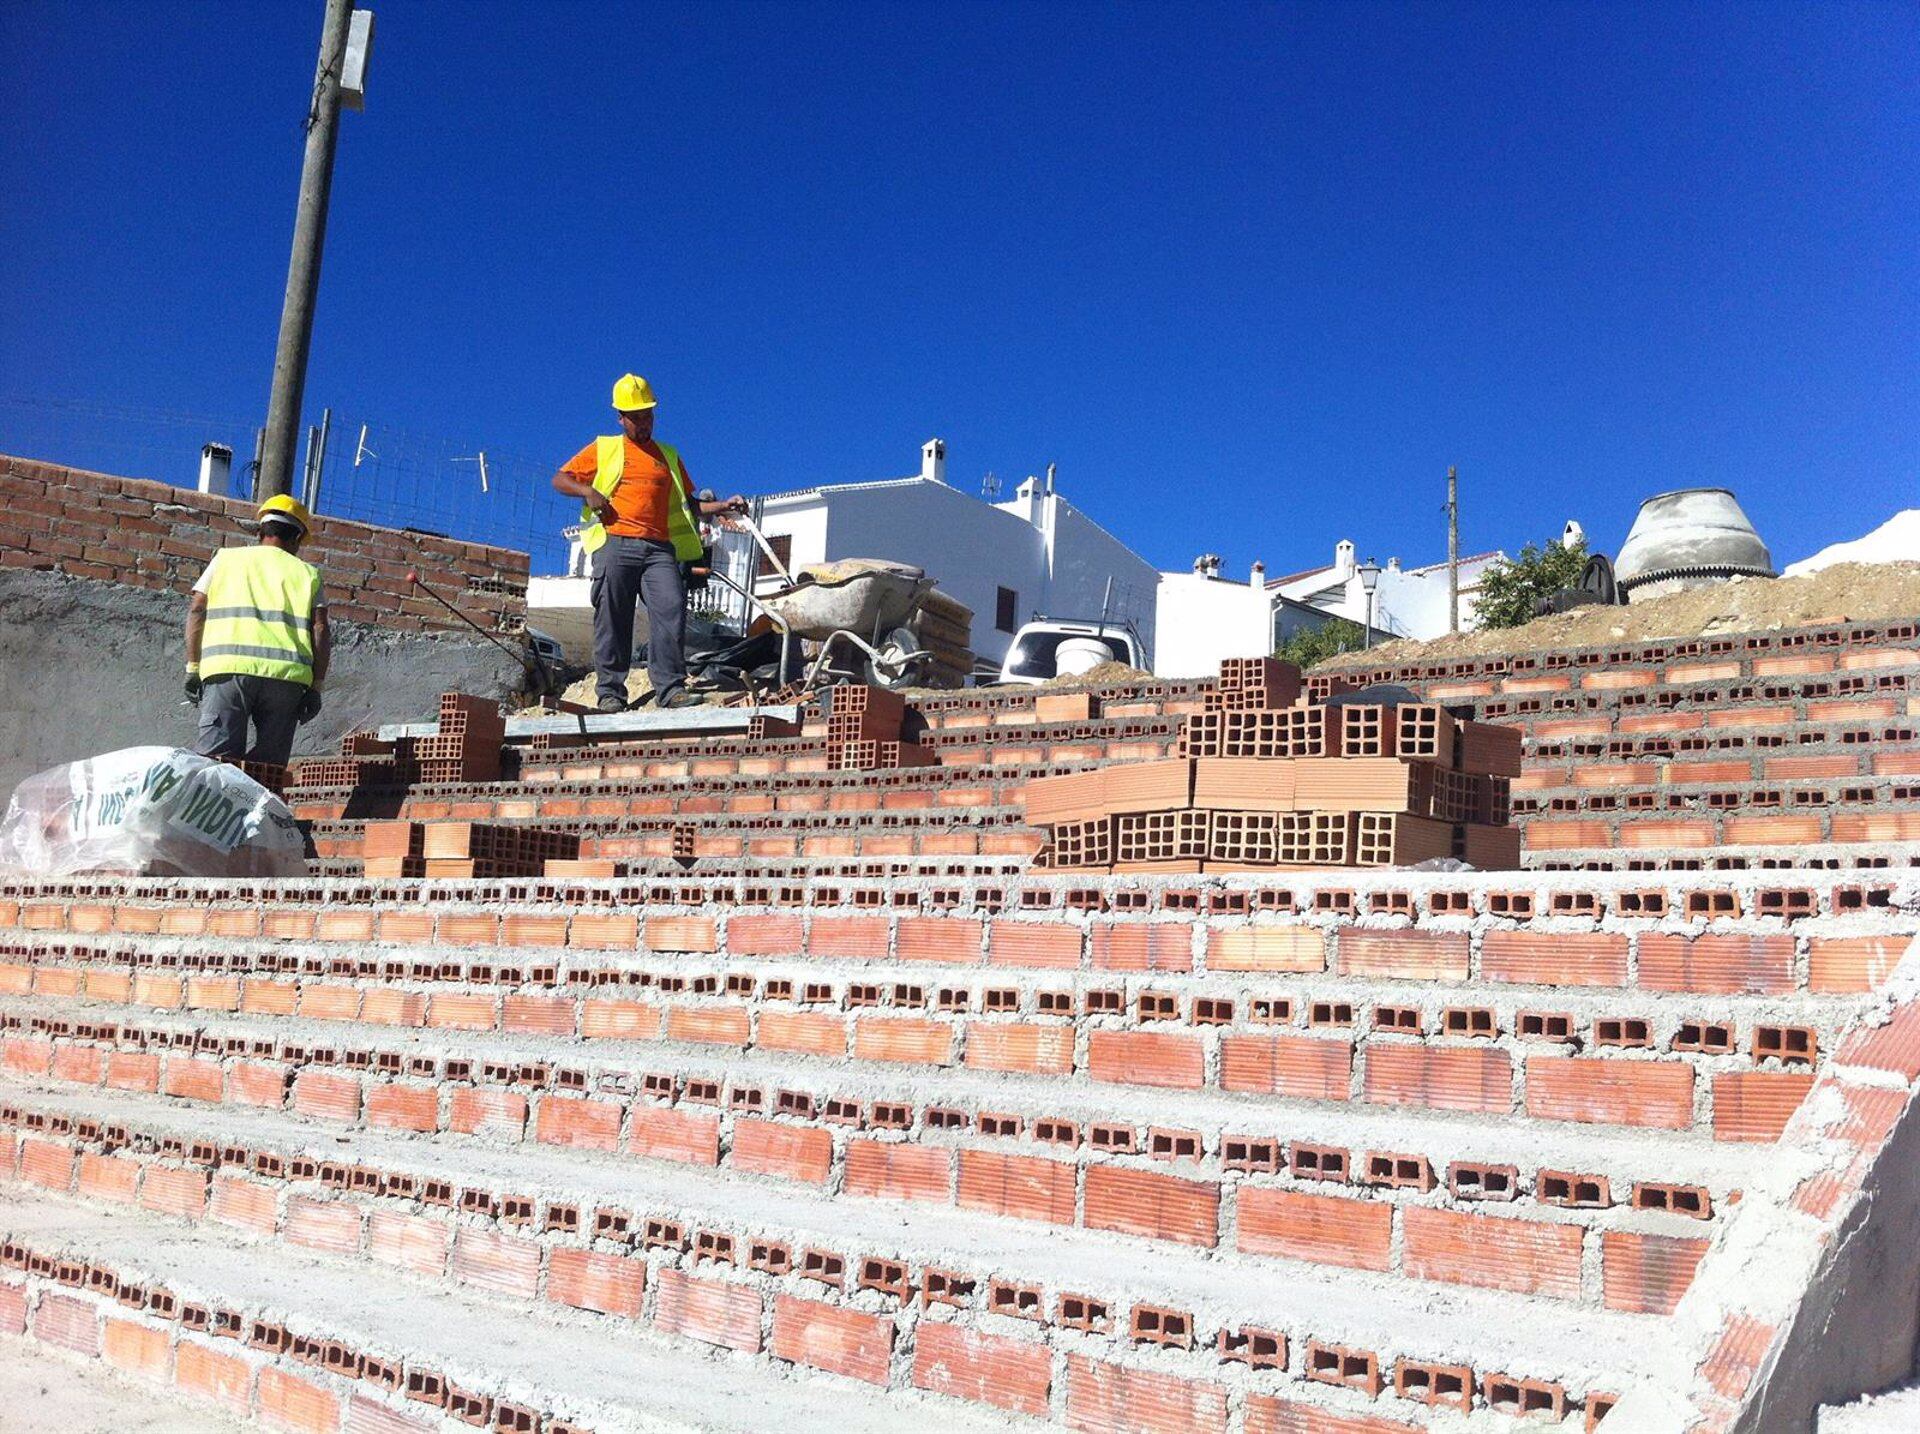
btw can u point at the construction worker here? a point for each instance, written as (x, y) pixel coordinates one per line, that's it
(257, 641)
(640, 525)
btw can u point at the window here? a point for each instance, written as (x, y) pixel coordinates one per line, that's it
(782, 545)
(1007, 601)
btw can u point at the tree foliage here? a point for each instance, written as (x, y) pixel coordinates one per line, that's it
(1510, 587)
(1316, 645)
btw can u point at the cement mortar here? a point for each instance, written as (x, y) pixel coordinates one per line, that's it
(89, 666)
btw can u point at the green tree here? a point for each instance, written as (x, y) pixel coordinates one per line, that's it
(1510, 587)
(1315, 645)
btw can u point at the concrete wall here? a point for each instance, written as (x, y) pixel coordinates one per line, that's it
(1085, 556)
(89, 666)
(1204, 620)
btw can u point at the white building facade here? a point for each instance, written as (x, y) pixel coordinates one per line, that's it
(1034, 554)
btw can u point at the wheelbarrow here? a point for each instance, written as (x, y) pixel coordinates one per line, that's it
(857, 610)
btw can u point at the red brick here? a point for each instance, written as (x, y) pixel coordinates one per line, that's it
(791, 1152)
(681, 933)
(1163, 946)
(262, 1083)
(850, 938)
(1719, 964)
(710, 1311)
(1404, 954)
(1612, 1092)
(454, 1011)
(46, 1164)
(1306, 1067)
(473, 1111)
(1853, 963)
(326, 1225)
(174, 1190)
(137, 1348)
(603, 933)
(813, 1033)
(1107, 1398)
(840, 1341)
(501, 1264)
(1532, 1257)
(1554, 958)
(765, 936)
(1016, 1046)
(1647, 1274)
(191, 1080)
(109, 1177)
(897, 1172)
(1756, 1105)
(588, 1280)
(1006, 1373)
(1891, 1046)
(1470, 1078)
(903, 1039)
(936, 939)
(1267, 948)
(1161, 1207)
(225, 1378)
(582, 1124)
(67, 1323)
(1147, 1058)
(1023, 1186)
(709, 1025)
(619, 1021)
(1055, 947)
(1268, 1415)
(127, 1070)
(417, 1243)
(1327, 1229)
(245, 1203)
(404, 1107)
(326, 1097)
(685, 1136)
(537, 1015)
(364, 1416)
(290, 1403)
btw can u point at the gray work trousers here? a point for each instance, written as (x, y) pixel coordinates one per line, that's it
(626, 571)
(229, 701)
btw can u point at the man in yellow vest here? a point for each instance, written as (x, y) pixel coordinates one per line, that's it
(257, 641)
(639, 522)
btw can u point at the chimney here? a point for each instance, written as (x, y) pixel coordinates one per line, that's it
(933, 459)
(1258, 577)
(216, 468)
(1049, 477)
(1343, 563)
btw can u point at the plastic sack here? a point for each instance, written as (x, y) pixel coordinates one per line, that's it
(149, 811)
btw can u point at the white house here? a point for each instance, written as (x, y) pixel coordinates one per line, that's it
(1204, 617)
(1033, 554)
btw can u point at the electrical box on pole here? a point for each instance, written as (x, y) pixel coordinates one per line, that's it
(353, 68)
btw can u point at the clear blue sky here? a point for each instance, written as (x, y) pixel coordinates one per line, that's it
(1253, 276)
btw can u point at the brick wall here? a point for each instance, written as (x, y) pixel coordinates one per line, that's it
(154, 535)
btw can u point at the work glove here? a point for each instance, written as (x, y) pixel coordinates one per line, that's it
(193, 687)
(309, 707)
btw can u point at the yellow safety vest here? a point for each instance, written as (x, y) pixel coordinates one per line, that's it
(683, 529)
(260, 605)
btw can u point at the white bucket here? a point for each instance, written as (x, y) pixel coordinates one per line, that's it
(1077, 655)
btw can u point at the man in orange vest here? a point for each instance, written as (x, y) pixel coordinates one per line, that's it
(639, 522)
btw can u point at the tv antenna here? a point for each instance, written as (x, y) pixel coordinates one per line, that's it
(360, 449)
(989, 487)
(481, 459)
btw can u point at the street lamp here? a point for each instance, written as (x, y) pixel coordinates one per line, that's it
(1369, 580)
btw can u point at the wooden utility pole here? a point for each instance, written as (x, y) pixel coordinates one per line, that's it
(303, 271)
(1453, 549)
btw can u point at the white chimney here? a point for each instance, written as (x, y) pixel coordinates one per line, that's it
(216, 464)
(1393, 565)
(1343, 563)
(1573, 535)
(933, 459)
(1258, 577)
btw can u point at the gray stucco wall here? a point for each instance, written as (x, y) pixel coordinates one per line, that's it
(89, 666)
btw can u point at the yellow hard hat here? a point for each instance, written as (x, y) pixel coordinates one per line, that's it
(633, 392)
(285, 506)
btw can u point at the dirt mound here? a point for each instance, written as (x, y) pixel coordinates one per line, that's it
(1846, 592)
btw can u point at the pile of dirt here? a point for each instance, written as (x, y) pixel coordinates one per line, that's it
(1846, 592)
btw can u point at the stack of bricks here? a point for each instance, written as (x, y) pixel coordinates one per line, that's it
(866, 732)
(1269, 778)
(466, 749)
(270, 775)
(463, 849)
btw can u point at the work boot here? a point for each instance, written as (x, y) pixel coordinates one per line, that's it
(676, 697)
(610, 704)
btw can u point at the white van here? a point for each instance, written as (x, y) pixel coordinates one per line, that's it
(1032, 658)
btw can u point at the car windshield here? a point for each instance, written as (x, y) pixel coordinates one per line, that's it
(1032, 654)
